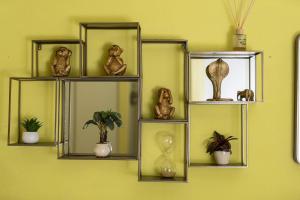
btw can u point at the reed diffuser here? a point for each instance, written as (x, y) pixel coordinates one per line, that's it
(240, 10)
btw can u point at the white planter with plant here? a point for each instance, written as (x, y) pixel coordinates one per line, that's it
(220, 147)
(31, 136)
(104, 120)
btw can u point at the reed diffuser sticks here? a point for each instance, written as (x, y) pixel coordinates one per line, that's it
(239, 11)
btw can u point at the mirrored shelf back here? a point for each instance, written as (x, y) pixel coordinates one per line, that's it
(97, 38)
(43, 54)
(84, 96)
(44, 108)
(245, 72)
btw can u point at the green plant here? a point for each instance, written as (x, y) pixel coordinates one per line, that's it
(219, 142)
(104, 120)
(32, 124)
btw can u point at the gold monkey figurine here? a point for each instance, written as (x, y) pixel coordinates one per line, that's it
(115, 64)
(163, 109)
(61, 63)
(246, 94)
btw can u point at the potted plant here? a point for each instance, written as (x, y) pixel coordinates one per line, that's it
(32, 125)
(220, 147)
(103, 120)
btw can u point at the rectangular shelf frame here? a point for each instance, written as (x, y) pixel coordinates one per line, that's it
(84, 27)
(36, 47)
(82, 156)
(56, 113)
(184, 121)
(231, 55)
(244, 145)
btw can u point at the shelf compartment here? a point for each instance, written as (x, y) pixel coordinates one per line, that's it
(44, 107)
(169, 59)
(150, 151)
(245, 72)
(227, 120)
(97, 38)
(80, 99)
(43, 52)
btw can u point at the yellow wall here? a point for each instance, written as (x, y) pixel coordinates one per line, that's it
(35, 173)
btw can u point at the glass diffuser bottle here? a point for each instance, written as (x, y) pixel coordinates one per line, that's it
(239, 40)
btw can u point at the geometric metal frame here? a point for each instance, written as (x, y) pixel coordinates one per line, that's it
(244, 145)
(65, 135)
(231, 55)
(37, 46)
(56, 112)
(184, 121)
(83, 29)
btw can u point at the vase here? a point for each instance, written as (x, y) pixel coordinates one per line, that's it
(222, 157)
(30, 137)
(103, 149)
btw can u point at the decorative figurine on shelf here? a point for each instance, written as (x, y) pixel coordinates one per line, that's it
(246, 94)
(216, 72)
(61, 63)
(163, 109)
(115, 64)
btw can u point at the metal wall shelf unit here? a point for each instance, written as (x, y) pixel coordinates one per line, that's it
(16, 96)
(185, 121)
(75, 143)
(51, 45)
(246, 70)
(87, 28)
(243, 138)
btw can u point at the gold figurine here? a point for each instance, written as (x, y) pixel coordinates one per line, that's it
(115, 64)
(163, 109)
(61, 63)
(246, 94)
(216, 72)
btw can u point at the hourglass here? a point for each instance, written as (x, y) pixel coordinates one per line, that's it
(165, 164)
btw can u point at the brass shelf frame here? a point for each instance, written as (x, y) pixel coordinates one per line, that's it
(185, 121)
(36, 47)
(56, 112)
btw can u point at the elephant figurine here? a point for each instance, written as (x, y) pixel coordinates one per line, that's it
(246, 94)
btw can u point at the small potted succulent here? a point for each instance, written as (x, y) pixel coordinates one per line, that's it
(220, 147)
(103, 120)
(32, 125)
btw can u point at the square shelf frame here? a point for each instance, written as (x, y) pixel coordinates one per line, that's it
(56, 112)
(184, 121)
(249, 55)
(244, 145)
(37, 47)
(63, 135)
(85, 27)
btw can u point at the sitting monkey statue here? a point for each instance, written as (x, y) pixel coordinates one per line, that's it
(246, 94)
(61, 63)
(115, 64)
(163, 109)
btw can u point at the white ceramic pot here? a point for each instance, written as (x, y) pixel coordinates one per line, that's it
(222, 157)
(30, 137)
(103, 150)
